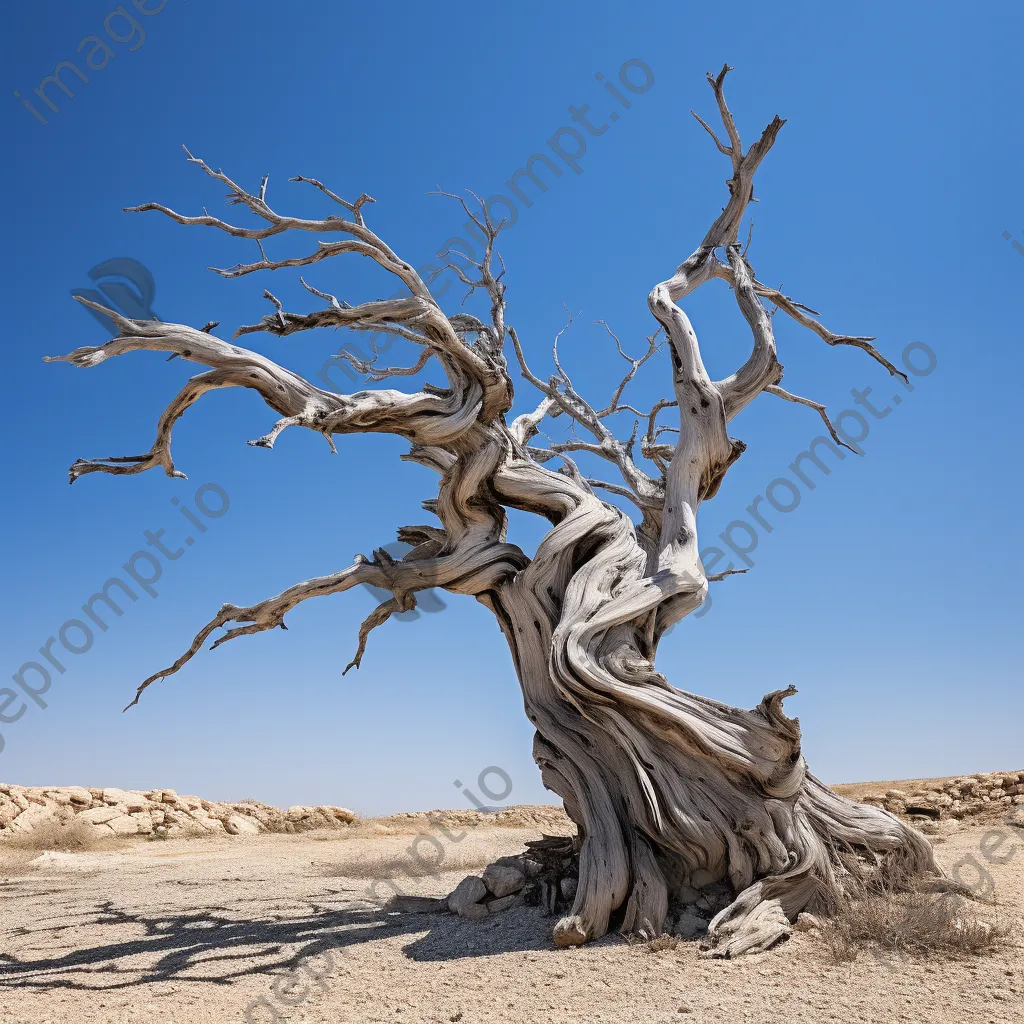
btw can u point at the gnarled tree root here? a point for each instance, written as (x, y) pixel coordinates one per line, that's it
(838, 846)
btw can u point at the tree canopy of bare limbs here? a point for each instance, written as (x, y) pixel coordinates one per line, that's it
(665, 786)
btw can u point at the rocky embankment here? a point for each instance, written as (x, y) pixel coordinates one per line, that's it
(162, 812)
(959, 797)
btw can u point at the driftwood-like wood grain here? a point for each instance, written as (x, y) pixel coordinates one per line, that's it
(668, 788)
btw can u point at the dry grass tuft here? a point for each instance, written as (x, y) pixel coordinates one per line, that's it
(913, 922)
(659, 943)
(68, 835)
(400, 863)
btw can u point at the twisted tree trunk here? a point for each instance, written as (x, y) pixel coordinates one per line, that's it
(669, 789)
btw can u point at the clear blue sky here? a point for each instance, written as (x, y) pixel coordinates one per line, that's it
(890, 596)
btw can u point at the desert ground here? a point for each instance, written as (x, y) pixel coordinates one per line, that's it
(295, 927)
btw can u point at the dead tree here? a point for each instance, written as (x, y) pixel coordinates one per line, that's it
(665, 786)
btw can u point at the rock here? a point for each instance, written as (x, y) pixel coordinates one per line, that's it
(1016, 817)
(690, 926)
(298, 812)
(342, 814)
(210, 824)
(80, 795)
(927, 812)
(497, 906)
(143, 822)
(56, 859)
(169, 796)
(568, 887)
(503, 879)
(806, 923)
(465, 899)
(896, 794)
(237, 825)
(30, 818)
(124, 825)
(532, 868)
(100, 815)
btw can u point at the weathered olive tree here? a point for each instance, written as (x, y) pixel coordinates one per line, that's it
(666, 787)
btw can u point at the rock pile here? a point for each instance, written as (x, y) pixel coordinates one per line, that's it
(162, 812)
(961, 797)
(546, 875)
(505, 883)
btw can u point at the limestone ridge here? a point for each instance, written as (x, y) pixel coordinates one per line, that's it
(119, 812)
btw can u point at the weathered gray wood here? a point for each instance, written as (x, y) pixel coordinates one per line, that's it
(670, 790)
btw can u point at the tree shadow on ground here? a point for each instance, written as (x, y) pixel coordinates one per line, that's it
(214, 945)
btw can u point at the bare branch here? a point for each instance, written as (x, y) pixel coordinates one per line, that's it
(488, 281)
(721, 148)
(798, 311)
(277, 224)
(376, 618)
(527, 426)
(421, 417)
(774, 389)
(735, 150)
(476, 568)
(622, 492)
(560, 390)
(634, 365)
(719, 576)
(762, 367)
(353, 208)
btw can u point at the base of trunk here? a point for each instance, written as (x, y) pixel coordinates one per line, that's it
(842, 847)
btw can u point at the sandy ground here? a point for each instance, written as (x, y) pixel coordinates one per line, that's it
(278, 928)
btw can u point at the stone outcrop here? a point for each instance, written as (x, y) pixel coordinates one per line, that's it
(156, 812)
(961, 797)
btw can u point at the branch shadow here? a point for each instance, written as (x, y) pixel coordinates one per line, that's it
(213, 946)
